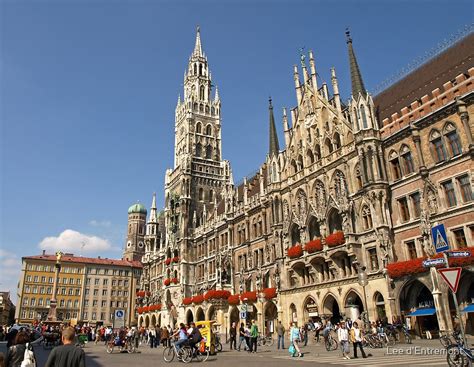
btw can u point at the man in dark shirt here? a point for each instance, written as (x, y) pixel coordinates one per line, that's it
(67, 355)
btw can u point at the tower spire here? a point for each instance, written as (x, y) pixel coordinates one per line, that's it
(274, 147)
(197, 47)
(153, 216)
(356, 77)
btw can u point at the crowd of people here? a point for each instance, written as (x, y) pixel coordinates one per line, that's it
(20, 351)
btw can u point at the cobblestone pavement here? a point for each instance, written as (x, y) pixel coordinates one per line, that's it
(420, 353)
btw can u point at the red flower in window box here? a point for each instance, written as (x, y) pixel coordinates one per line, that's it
(463, 261)
(175, 259)
(249, 296)
(174, 280)
(216, 294)
(233, 299)
(187, 301)
(155, 307)
(313, 246)
(167, 281)
(140, 310)
(146, 309)
(168, 261)
(270, 293)
(148, 294)
(295, 251)
(141, 294)
(198, 299)
(335, 239)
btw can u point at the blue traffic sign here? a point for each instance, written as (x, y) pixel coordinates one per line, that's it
(440, 240)
(433, 262)
(459, 254)
(243, 315)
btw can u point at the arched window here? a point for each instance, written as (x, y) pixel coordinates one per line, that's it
(438, 150)
(310, 156)
(198, 128)
(211, 195)
(407, 160)
(200, 69)
(395, 165)
(274, 172)
(452, 139)
(201, 92)
(328, 145)
(195, 106)
(364, 117)
(212, 111)
(198, 150)
(208, 130)
(201, 194)
(366, 218)
(201, 108)
(356, 119)
(317, 152)
(337, 141)
(208, 152)
(195, 69)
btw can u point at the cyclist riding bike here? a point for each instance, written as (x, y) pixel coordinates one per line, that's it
(195, 337)
(182, 336)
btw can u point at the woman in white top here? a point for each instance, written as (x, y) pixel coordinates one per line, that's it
(343, 336)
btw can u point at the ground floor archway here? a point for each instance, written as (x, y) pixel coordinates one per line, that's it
(310, 309)
(353, 305)
(211, 313)
(331, 309)
(153, 320)
(234, 315)
(200, 314)
(271, 316)
(189, 316)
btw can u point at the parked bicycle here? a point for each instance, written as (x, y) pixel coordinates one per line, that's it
(263, 340)
(330, 343)
(459, 356)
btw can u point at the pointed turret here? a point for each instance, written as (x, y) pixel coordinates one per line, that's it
(216, 96)
(153, 217)
(274, 147)
(356, 78)
(197, 46)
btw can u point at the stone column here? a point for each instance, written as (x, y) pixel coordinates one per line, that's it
(417, 140)
(375, 168)
(363, 171)
(53, 303)
(464, 115)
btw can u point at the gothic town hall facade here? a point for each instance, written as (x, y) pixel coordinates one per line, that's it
(335, 222)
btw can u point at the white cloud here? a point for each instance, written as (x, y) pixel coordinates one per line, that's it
(100, 223)
(75, 242)
(10, 269)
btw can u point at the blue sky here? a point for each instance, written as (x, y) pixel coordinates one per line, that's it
(88, 91)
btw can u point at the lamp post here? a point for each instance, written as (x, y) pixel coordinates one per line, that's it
(363, 281)
(261, 299)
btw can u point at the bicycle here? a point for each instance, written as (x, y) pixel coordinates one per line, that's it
(330, 343)
(218, 344)
(446, 340)
(126, 345)
(459, 356)
(172, 351)
(265, 340)
(201, 353)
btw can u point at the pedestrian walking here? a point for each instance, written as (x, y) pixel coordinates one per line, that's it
(68, 354)
(16, 352)
(164, 336)
(247, 338)
(343, 337)
(356, 339)
(253, 336)
(242, 337)
(304, 333)
(152, 337)
(280, 329)
(233, 335)
(295, 338)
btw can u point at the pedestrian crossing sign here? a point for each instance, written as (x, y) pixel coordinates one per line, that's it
(440, 240)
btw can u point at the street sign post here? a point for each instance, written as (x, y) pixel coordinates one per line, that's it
(119, 319)
(451, 276)
(433, 262)
(440, 240)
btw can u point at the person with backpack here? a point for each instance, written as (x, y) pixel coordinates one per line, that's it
(19, 351)
(68, 354)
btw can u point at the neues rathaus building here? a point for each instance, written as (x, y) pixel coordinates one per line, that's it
(335, 222)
